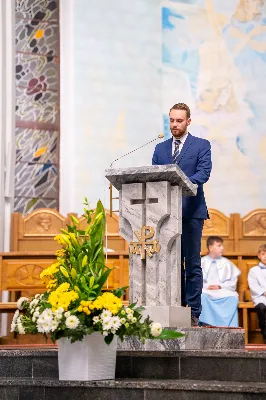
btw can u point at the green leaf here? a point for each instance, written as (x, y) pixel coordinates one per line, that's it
(119, 292)
(103, 279)
(167, 334)
(108, 339)
(70, 229)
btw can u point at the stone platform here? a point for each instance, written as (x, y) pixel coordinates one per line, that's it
(168, 375)
(194, 339)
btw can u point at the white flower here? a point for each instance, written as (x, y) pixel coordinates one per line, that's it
(58, 313)
(37, 296)
(13, 327)
(36, 314)
(134, 320)
(37, 309)
(67, 314)
(48, 312)
(113, 330)
(44, 327)
(41, 319)
(123, 320)
(105, 333)
(47, 318)
(72, 322)
(21, 329)
(129, 311)
(16, 315)
(106, 315)
(95, 320)
(40, 328)
(21, 301)
(107, 325)
(130, 316)
(156, 329)
(116, 323)
(54, 325)
(34, 319)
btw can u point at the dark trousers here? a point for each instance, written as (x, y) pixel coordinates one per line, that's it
(261, 311)
(191, 275)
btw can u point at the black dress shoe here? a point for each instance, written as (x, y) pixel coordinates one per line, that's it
(194, 321)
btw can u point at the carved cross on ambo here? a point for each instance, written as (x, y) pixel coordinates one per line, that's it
(143, 201)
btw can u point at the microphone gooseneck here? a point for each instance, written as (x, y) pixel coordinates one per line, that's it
(161, 136)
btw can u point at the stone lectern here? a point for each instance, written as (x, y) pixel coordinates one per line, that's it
(151, 221)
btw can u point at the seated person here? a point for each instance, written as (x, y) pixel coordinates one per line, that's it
(257, 285)
(219, 297)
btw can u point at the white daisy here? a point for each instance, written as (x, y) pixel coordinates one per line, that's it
(67, 314)
(106, 315)
(123, 320)
(129, 311)
(21, 301)
(116, 322)
(96, 320)
(105, 333)
(156, 329)
(54, 325)
(72, 322)
(130, 316)
(134, 320)
(41, 319)
(40, 328)
(48, 312)
(107, 325)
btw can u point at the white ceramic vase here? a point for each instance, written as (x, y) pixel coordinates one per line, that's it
(89, 360)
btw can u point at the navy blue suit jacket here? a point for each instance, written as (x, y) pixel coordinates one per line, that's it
(195, 161)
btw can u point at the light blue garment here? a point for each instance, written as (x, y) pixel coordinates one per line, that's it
(219, 312)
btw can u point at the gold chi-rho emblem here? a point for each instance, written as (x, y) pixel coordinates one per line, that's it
(143, 246)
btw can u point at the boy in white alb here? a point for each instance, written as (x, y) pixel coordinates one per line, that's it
(219, 296)
(257, 285)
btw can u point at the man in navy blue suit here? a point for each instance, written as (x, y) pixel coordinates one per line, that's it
(193, 156)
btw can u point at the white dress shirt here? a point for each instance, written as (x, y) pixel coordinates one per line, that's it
(182, 140)
(257, 283)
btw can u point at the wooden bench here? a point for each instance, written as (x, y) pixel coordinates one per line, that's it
(33, 247)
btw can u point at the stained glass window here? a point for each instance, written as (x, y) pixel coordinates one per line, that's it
(37, 105)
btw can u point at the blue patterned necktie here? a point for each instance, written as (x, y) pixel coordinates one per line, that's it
(176, 151)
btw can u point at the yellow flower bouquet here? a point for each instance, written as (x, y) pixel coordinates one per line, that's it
(75, 304)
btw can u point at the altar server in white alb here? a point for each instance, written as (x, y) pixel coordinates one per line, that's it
(257, 285)
(219, 296)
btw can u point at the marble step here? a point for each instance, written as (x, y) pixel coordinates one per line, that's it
(242, 366)
(52, 389)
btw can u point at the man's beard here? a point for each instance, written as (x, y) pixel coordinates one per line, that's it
(179, 133)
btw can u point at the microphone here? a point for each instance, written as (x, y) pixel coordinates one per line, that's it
(161, 136)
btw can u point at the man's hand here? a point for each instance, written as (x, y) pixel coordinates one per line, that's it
(214, 287)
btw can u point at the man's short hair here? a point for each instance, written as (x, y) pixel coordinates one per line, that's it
(181, 106)
(212, 239)
(262, 248)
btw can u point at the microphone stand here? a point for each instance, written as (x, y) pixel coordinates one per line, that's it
(161, 136)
